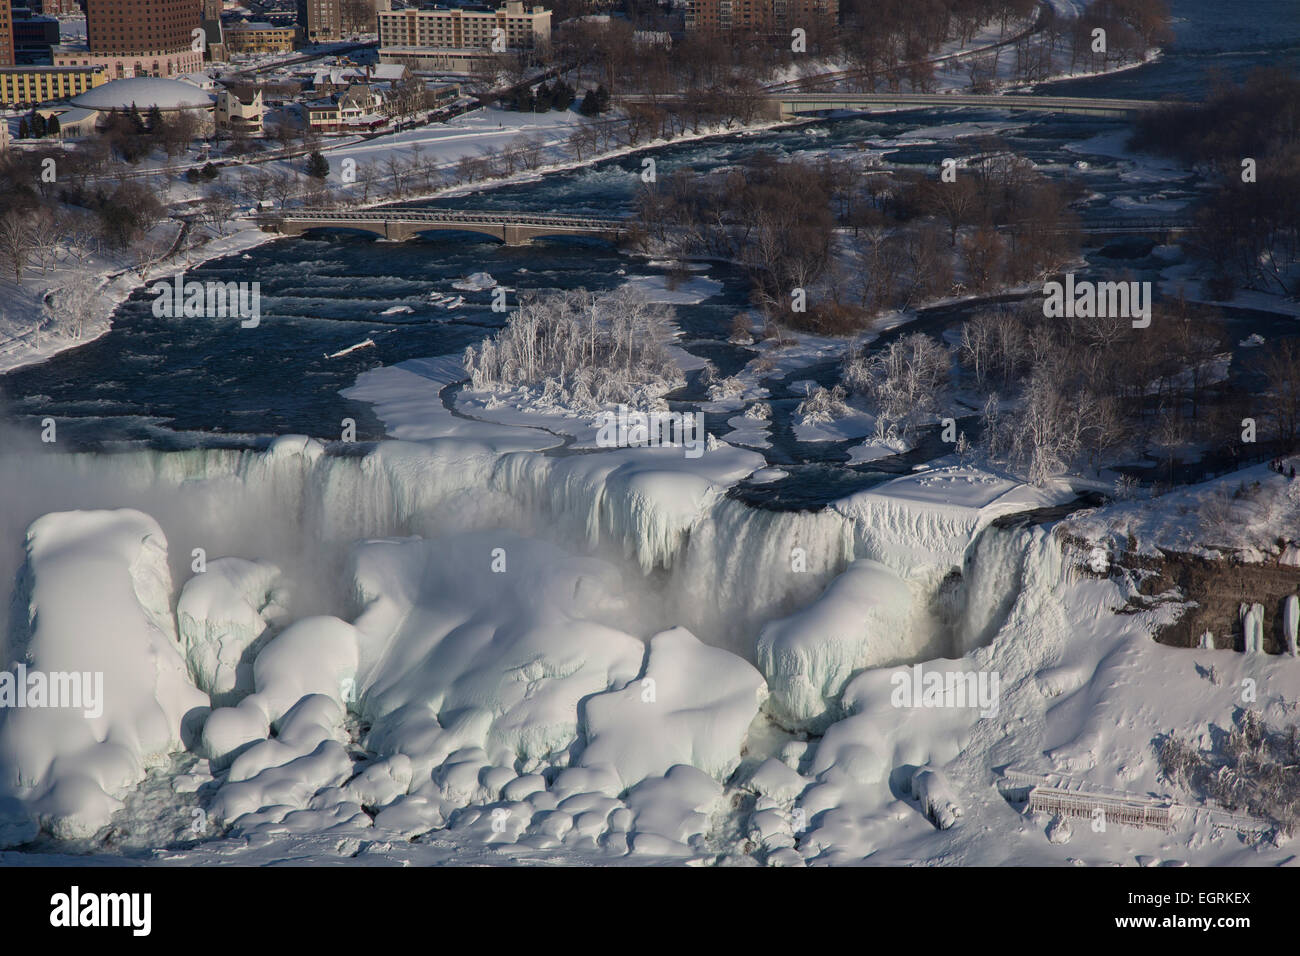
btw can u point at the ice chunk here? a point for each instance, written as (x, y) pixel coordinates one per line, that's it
(1252, 626)
(478, 282)
(1290, 621)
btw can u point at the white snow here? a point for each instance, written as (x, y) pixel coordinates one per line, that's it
(692, 705)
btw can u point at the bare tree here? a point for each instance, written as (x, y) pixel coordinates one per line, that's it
(16, 242)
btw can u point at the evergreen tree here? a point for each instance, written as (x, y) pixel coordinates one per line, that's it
(318, 167)
(561, 96)
(155, 119)
(38, 125)
(24, 130)
(52, 127)
(595, 102)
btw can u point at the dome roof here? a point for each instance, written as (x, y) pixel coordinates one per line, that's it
(144, 92)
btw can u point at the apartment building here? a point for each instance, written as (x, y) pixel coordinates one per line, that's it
(464, 39)
(24, 86)
(759, 16)
(6, 35)
(258, 38)
(320, 21)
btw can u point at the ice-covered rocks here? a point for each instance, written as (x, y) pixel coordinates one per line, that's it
(222, 614)
(860, 621)
(776, 781)
(669, 811)
(94, 595)
(693, 705)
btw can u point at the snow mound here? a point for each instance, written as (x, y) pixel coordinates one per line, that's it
(313, 656)
(487, 641)
(94, 598)
(692, 706)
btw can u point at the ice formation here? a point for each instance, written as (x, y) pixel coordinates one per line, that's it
(692, 706)
(223, 613)
(94, 598)
(860, 621)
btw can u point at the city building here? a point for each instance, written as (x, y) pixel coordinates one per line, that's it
(23, 86)
(6, 34)
(320, 21)
(760, 16)
(362, 16)
(213, 33)
(259, 37)
(35, 36)
(242, 115)
(74, 122)
(59, 8)
(134, 38)
(356, 109)
(468, 38)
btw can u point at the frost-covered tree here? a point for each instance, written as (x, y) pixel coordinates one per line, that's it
(1045, 434)
(580, 350)
(823, 405)
(904, 380)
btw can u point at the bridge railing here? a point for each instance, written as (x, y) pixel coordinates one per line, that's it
(449, 216)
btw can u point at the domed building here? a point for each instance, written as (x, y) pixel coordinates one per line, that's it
(144, 93)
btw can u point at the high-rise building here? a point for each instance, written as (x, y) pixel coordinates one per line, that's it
(140, 26)
(760, 16)
(6, 34)
(35, 36)
(320, 20)
(139, 38)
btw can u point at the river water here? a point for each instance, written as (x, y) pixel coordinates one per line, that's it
(172, 383)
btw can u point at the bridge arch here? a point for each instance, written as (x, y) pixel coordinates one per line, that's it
(369, 229)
